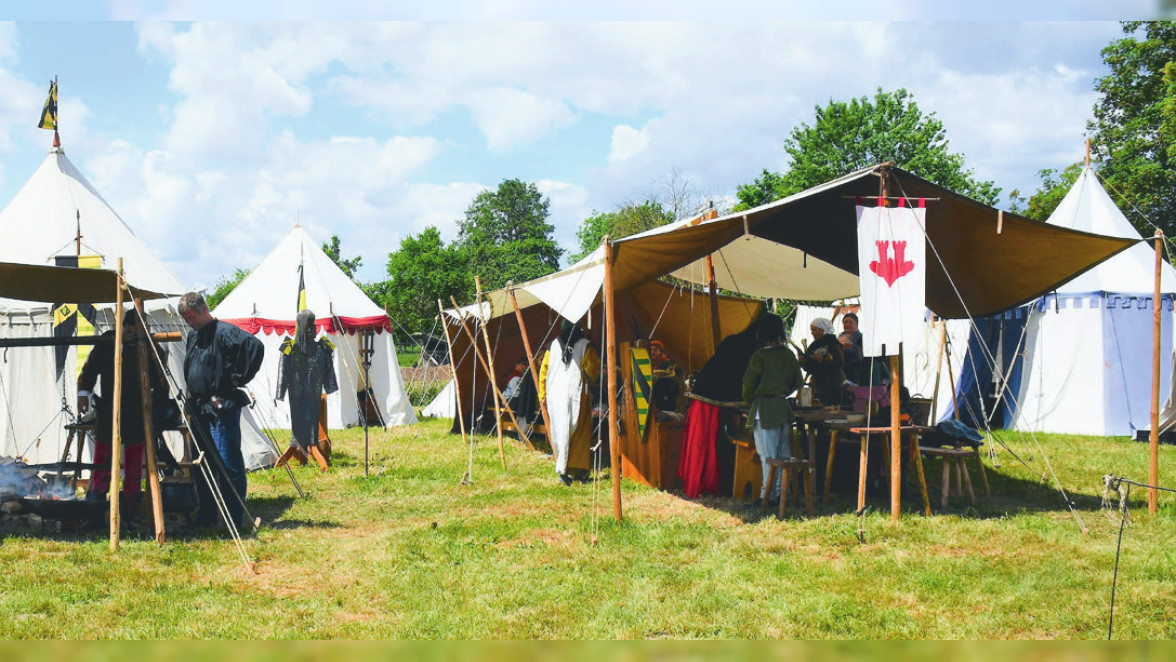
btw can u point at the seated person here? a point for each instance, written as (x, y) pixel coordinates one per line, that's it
(824, 361)
(668, 383)
(851, 343)
(521, 396)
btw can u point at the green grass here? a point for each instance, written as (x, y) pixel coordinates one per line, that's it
(409, 552)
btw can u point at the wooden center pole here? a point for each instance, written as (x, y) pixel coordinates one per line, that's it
(610, 349)
(453, 372)
(148, 429)
(114, 490)
(713, 290)
(490, 369)
(1153, 495)
(530, 359)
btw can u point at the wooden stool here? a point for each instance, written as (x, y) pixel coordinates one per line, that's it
(956, 456)
(748, 471)
(787, 467)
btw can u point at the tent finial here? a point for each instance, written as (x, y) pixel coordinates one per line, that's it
(1088, 152)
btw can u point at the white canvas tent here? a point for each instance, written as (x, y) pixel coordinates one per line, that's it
(39, 225)
(444, 405)
(265, 304)
(1088, 346)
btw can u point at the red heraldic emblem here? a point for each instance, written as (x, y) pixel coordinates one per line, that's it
(889, 268)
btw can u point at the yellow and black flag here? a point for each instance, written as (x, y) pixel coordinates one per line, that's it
(301, 290)
(49, 113)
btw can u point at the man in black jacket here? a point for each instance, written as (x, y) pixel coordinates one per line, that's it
(220, 359)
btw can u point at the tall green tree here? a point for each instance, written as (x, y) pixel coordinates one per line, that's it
(505, 235)
(1133, 133)
(628, 219)
(423, 270)
(849, 136)
(334, 251)
(1054, 186)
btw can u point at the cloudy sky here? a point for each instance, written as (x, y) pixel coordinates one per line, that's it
(211, 139)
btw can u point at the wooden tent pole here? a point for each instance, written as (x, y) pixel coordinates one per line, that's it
(490, 359)
(453, 373)
(114, 490)
(486, 367)
(955, 405)
(148, 429)
(934, 418)
(610, 348)
(713, 289)
(895, 403)
(530, 359)
(1153, 496)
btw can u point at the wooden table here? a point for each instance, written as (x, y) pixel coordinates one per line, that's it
(838, 427)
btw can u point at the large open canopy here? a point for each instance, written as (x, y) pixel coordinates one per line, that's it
(29, 282)
(804, 247)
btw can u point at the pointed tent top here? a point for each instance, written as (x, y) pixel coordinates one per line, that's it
(42, 221)
(1087, 207)
(265, 300)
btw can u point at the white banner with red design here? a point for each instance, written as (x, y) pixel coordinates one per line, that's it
(892, 267)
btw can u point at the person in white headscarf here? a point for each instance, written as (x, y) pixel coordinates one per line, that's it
(824, 361)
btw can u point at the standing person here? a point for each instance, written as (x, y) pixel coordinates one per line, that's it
(772, 375)
(824, 360)
(99, 369)
(221, 358)
(569, 369)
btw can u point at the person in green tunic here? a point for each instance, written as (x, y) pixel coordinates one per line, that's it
(772, 375)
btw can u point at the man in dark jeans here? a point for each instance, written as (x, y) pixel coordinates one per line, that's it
(221, 358)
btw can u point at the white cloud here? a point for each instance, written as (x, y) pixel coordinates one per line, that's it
(627, 141)
(508, 117)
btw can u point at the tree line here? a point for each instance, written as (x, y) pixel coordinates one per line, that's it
(505, 234)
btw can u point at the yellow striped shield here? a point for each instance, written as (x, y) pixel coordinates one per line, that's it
(642, 386)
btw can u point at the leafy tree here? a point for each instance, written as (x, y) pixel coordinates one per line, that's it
(628, 219)
(505, 235)
(224, 286)
(423, 270)
(1054, 186)
(1133, 133)
(334, 252)
(766, 188)
(845, 137)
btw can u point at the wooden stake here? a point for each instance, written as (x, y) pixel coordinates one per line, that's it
(116, 418)
(453, 372)
(486, 367)
(1153, 495)
(895, 440)
(610, 349)
(149, 432)
(490, 359)
(530, 359)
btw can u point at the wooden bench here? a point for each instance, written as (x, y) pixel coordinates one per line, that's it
(955, 456)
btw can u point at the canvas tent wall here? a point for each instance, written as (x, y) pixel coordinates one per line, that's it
(444, 405)
(676, 316)
(265, 304)
(1088, 347)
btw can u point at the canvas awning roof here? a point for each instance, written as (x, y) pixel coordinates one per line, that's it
(30, 282)
(804, 247)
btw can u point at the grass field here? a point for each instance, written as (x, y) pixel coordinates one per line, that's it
(409, 552)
